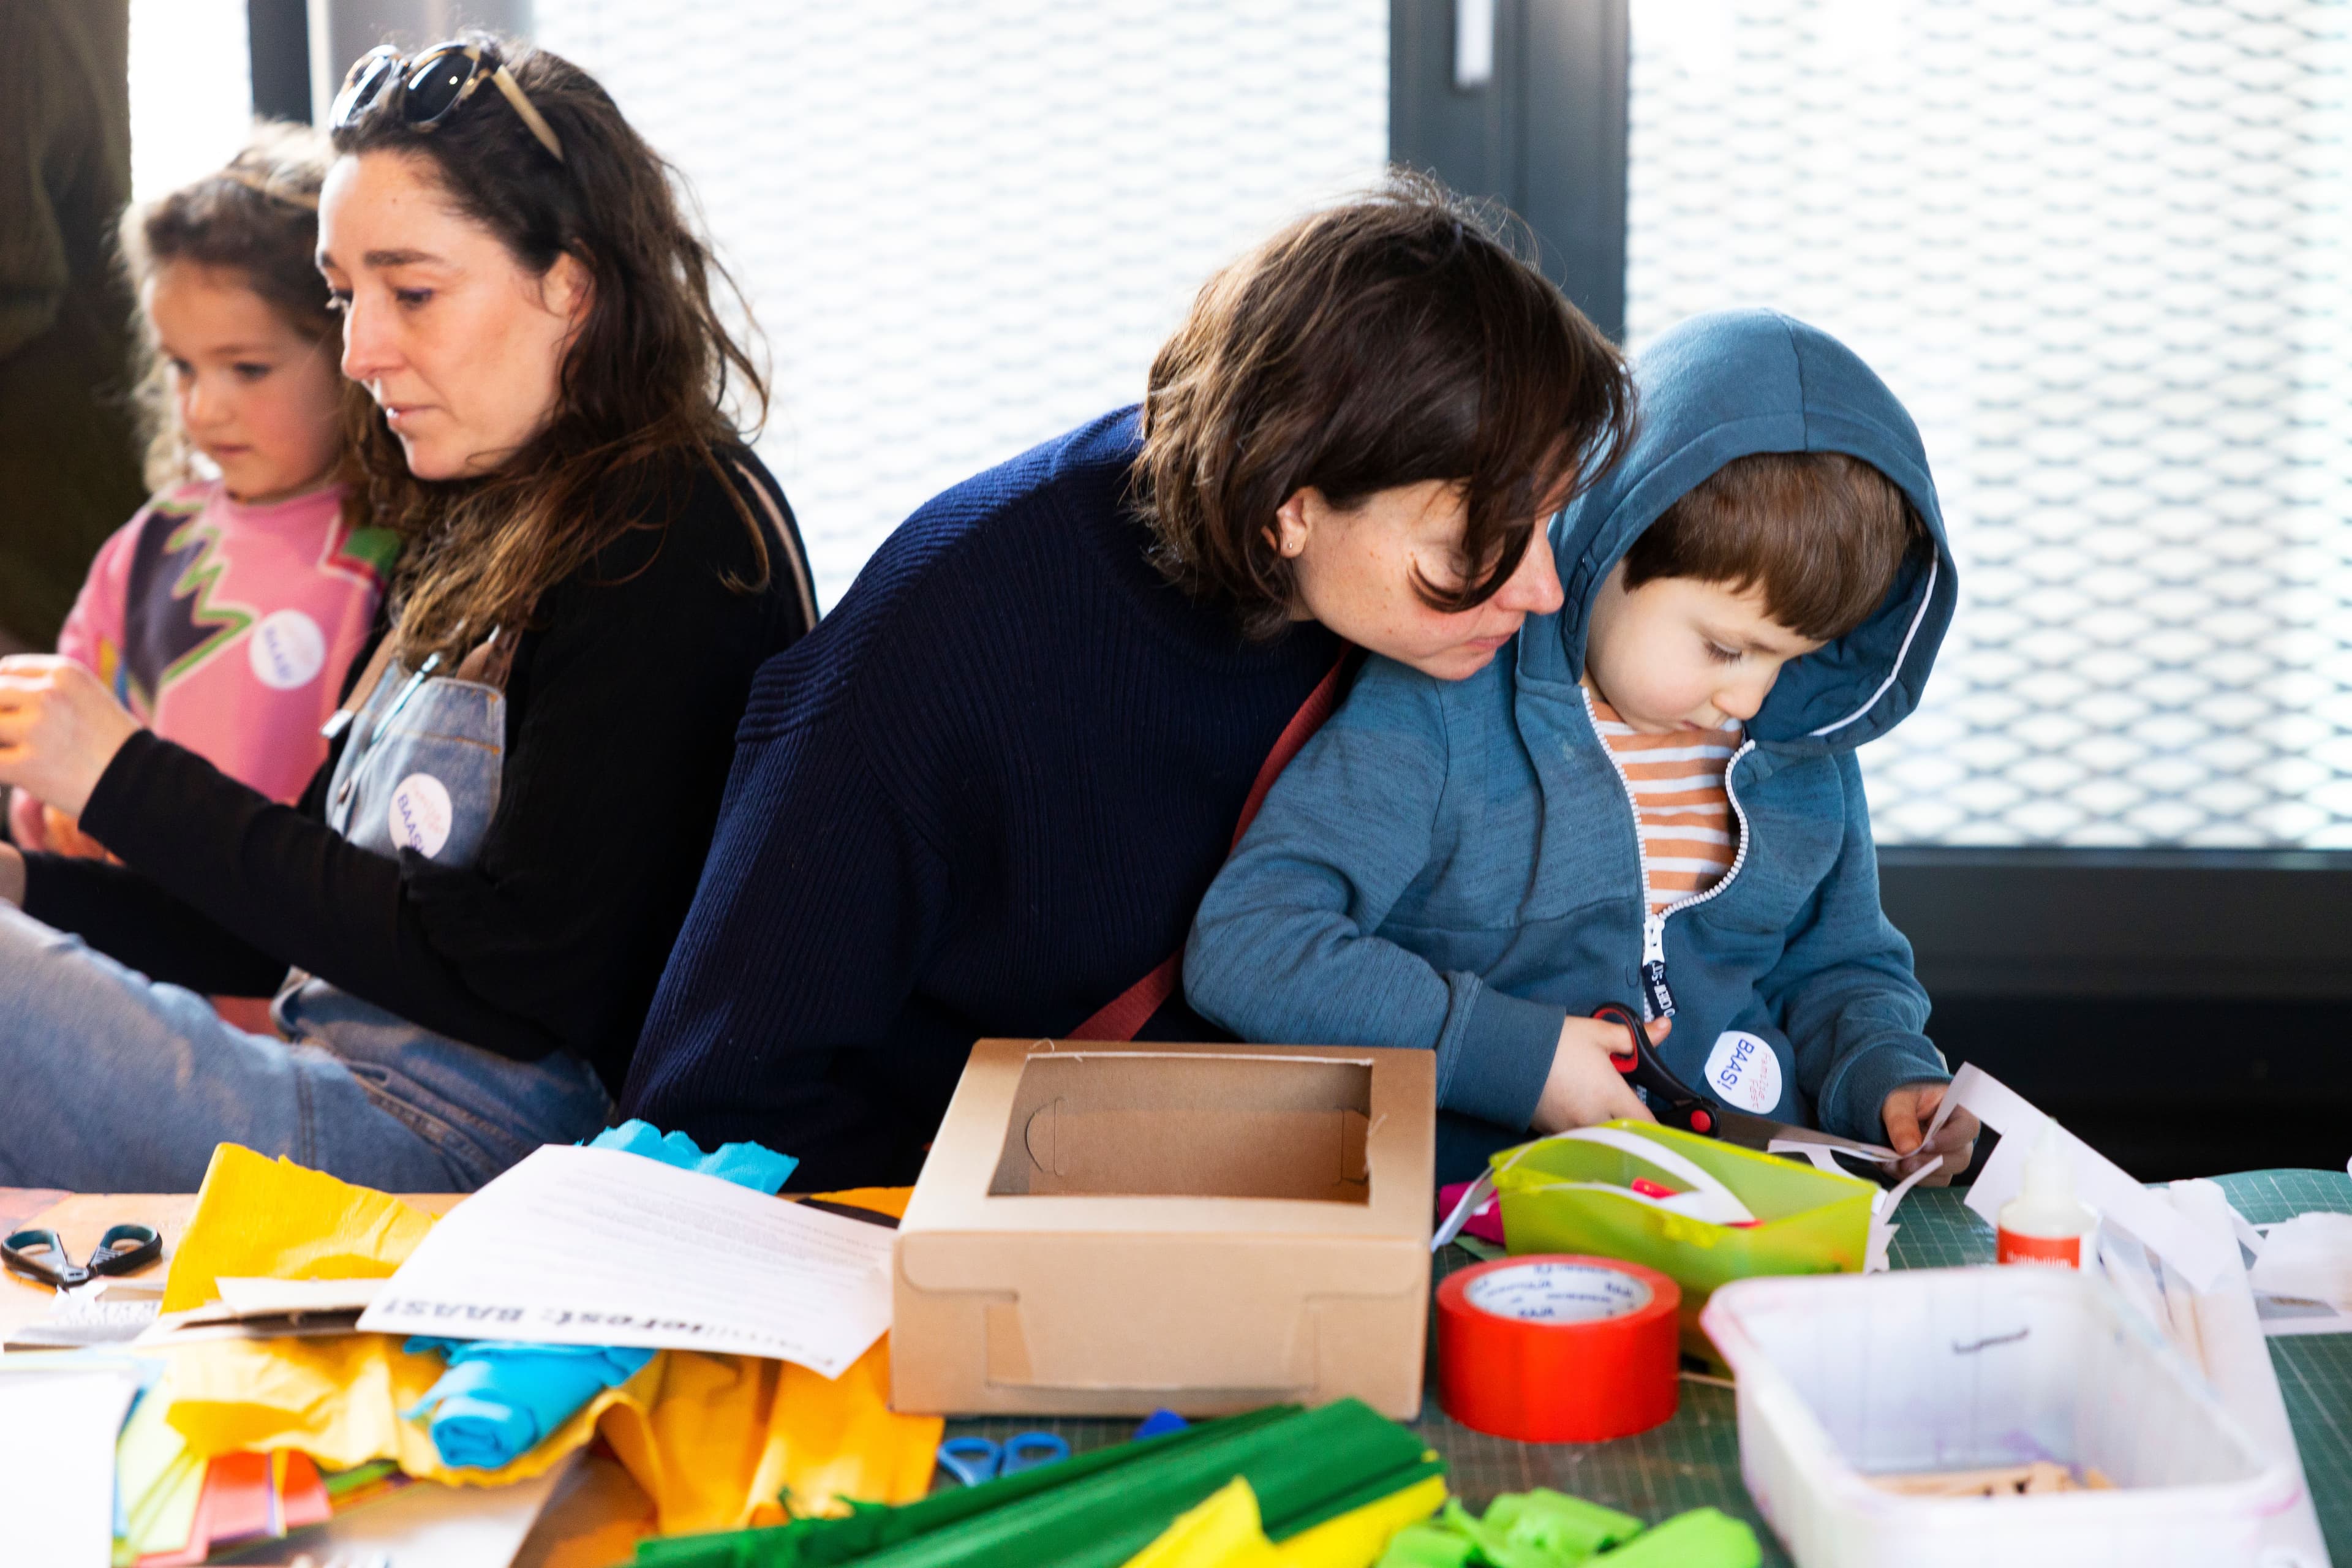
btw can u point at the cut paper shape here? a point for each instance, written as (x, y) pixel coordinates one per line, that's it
(2204, 1257)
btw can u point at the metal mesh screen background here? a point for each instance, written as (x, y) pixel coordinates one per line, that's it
(967, 227)
(2102, 250)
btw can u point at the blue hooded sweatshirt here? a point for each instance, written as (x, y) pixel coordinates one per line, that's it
(1455, 865)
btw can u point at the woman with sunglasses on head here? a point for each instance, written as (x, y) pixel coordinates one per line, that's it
(464, 918)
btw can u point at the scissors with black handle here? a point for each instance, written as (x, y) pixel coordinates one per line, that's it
(1676, 1104)
(41, 1254)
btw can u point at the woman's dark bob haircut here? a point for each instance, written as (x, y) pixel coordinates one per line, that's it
(1396, 339)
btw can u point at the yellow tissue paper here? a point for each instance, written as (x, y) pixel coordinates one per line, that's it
(720, 1440)
(273, 1219)
(1357, 1538)
(338, 1398)
(713, 1440)
(1225, 1531)
(1222, 1532)
(728, 1443)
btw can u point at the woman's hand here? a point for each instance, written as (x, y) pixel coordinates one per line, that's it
(1906, 1114)
(1585, 1087)
(27, 826)
(60, 728)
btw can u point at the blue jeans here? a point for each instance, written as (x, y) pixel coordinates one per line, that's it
(109, 1082)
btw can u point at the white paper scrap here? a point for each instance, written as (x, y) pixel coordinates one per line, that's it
(595, 1246)
(2202, 1257)
(257, 1298)
(2308, 1257)
(57, 1464)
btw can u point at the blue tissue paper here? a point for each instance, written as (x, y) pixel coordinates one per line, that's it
(752, 1165)
(501, 1398)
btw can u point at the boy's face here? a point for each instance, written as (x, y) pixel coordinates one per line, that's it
(1679, 654)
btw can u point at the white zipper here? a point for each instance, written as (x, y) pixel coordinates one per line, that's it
(1657, 1000)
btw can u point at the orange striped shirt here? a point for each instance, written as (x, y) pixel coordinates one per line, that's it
(1688, 833)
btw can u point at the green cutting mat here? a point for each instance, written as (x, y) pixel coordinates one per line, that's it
(1692, 1460)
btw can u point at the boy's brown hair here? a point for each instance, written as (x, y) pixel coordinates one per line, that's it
(1390, 341)
(1821, 534)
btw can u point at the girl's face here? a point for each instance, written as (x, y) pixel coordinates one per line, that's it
(1356, 570)
(250, 393)
(460, 344)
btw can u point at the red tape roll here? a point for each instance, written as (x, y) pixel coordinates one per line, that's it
(1559, 1349)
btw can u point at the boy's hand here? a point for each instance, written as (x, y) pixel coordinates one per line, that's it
(1584, 1086)
(1908, 1112)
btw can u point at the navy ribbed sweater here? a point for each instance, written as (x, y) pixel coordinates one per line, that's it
(982, 798)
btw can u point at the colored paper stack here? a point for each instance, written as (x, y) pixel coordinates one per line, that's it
(244, 1439)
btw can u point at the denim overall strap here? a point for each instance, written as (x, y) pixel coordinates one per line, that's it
(421, 771)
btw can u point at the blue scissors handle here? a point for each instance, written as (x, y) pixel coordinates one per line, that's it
(972, 1460)
(1031, 1450)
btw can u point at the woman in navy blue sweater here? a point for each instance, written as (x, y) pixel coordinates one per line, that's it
(985, 796)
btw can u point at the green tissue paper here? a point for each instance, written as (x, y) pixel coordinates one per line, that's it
(1545, 1528)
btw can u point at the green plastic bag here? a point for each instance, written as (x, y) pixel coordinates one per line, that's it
(1809, 1222)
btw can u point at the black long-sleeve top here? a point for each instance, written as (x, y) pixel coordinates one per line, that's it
(622, 703)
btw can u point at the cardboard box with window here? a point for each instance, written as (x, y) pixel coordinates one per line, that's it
(1106, 1229)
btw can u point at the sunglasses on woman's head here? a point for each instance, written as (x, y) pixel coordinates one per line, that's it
(433, 85)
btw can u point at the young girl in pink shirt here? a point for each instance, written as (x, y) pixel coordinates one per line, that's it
(226, 613)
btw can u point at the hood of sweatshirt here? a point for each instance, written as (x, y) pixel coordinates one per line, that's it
(1724, 385)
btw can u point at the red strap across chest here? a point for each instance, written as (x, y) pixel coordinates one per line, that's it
(1120, 1018)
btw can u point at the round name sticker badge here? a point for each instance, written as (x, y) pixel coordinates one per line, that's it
(287, 650)
(420, 814)
(1743, 1073)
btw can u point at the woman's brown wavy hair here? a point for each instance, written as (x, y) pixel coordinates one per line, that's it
(1390, 340)
(643, 396)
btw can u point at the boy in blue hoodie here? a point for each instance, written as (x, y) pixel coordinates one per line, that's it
(1650, 798)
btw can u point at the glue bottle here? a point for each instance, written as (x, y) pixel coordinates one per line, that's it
(2046, 1223)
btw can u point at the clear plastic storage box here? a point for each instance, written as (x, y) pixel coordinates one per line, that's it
(1844, 1376)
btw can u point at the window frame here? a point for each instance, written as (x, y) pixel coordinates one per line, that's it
(2007, 921)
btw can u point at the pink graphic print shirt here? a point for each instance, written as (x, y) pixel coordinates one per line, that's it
(228, 628)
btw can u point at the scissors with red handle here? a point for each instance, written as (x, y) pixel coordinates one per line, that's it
(1676, 1104)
